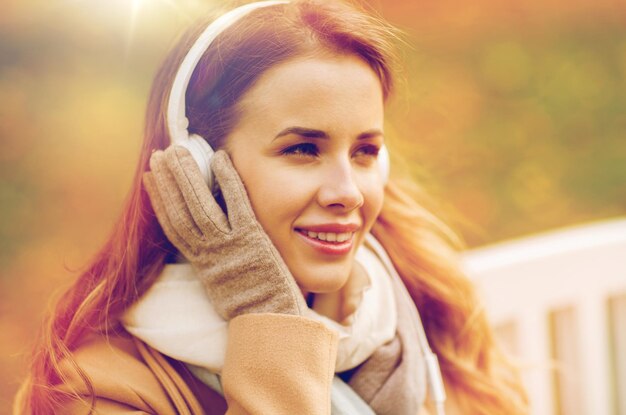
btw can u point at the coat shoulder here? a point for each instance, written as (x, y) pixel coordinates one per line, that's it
(118, 375)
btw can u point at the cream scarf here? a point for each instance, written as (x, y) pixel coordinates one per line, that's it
(176, 317)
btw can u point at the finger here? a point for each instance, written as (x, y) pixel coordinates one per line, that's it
(239, 209)
(205, 211)
(161, 214)
(173, 200)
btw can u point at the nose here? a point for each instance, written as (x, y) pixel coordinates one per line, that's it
(339, 188)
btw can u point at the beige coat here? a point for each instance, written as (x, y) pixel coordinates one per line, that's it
(275, 364)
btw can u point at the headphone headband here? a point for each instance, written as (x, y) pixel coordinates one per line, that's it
(177, 121)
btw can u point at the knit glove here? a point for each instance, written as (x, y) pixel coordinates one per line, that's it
(237, 262)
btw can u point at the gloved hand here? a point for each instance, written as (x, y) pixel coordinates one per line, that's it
(237, 262)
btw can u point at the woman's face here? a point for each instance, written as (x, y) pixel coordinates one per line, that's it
(306, 149)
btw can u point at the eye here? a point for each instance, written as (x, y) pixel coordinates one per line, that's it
(368, 150)
(303, 149)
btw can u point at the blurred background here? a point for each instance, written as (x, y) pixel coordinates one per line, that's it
(513, 114)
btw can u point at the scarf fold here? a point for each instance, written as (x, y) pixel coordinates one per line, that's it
(378, 351)
(393, 379)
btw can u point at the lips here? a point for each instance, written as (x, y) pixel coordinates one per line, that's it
(332, 239)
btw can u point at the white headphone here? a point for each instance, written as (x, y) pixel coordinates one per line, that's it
(177, 122)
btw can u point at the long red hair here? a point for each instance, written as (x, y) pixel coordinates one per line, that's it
(421, 246)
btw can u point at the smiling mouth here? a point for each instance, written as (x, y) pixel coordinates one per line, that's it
(328, 237)
(337, 248)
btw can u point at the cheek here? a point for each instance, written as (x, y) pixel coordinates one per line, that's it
(373, 195)
(276, 198)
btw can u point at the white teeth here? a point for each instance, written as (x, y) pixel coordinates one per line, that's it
(342, 237)
(330, 236)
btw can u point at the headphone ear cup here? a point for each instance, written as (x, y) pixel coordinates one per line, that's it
(201, 152)
(383, 163)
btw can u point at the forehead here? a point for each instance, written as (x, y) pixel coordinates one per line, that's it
(315, 91)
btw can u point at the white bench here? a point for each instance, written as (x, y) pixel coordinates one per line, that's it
(561, 295)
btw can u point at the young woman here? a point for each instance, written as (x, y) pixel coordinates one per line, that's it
(285, 273)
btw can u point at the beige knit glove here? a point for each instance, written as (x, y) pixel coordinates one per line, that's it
(240, 267)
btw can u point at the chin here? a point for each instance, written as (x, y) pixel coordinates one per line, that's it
(331, 282)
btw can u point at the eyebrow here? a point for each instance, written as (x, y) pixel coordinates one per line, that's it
(313, 133)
